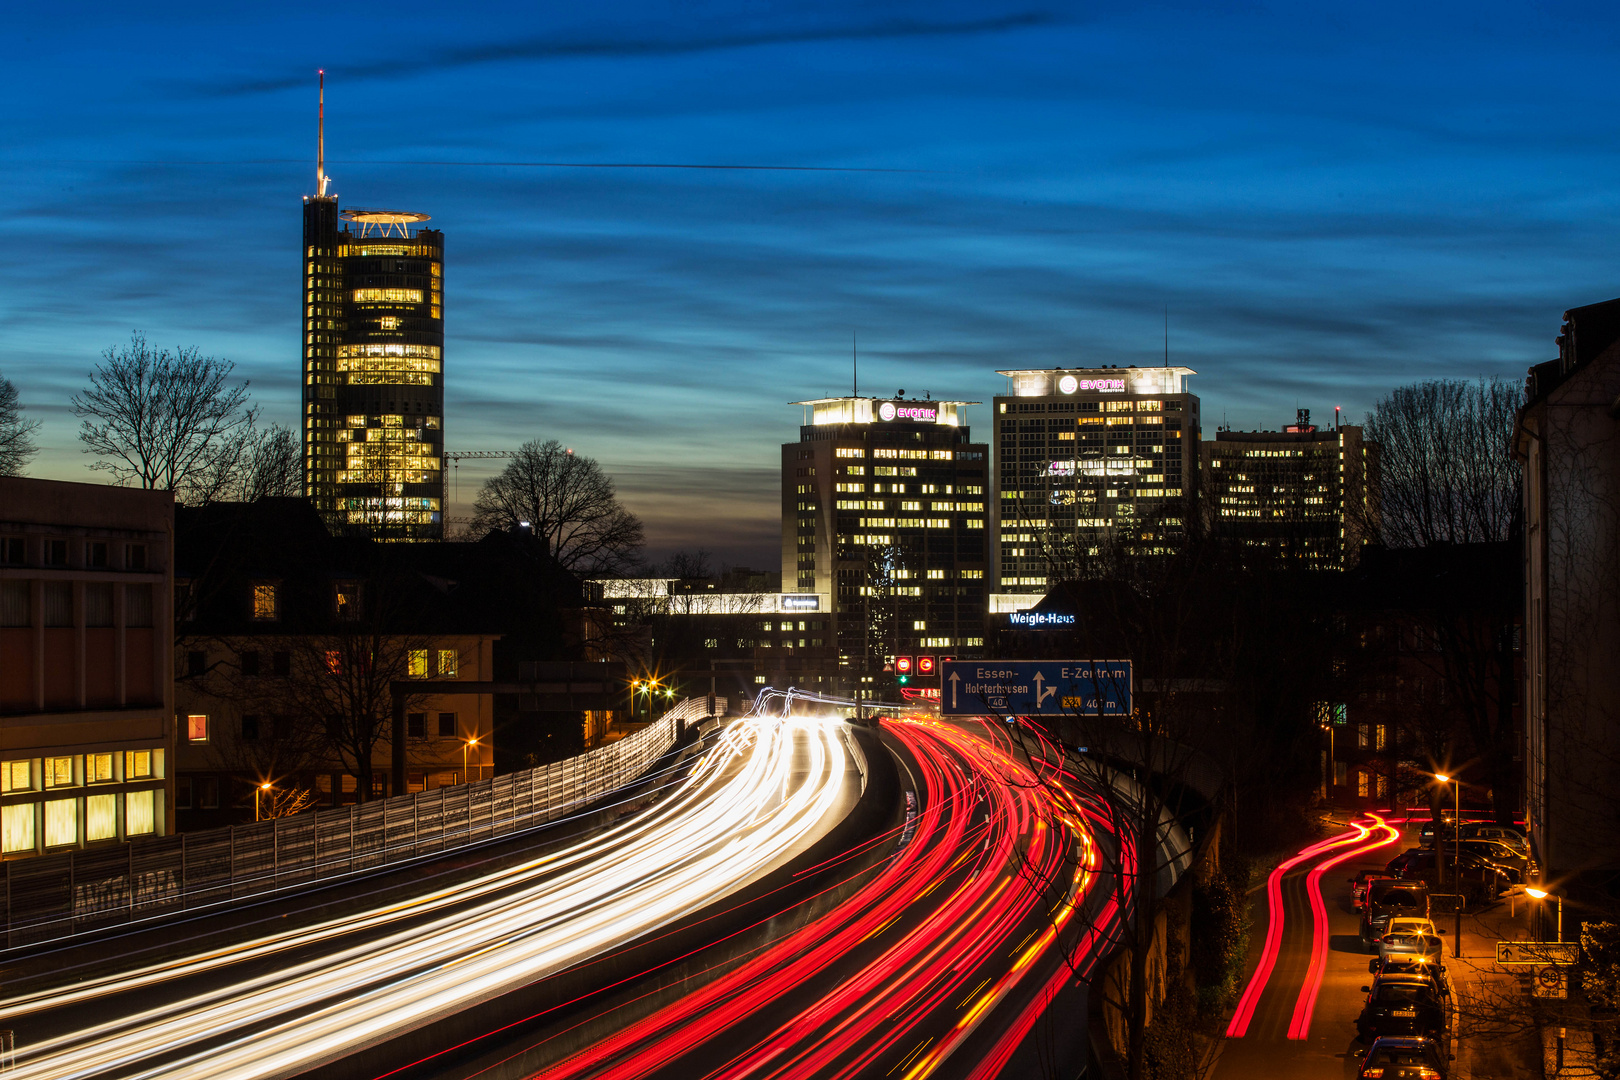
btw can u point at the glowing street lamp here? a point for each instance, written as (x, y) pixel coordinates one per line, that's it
(471, 741)
(1542, 894)
(258, 791)
(1456, 861)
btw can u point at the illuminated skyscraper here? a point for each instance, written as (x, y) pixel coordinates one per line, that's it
(1084, 455)
(373, 367)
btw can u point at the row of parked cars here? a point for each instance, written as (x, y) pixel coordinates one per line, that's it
(1407, 1012)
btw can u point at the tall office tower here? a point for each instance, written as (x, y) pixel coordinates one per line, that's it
(883, 506)
(1084, 455)
(373, 367)
(1308, 495)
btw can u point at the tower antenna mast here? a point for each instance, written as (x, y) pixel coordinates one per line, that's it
(854, 365)
(320, 142)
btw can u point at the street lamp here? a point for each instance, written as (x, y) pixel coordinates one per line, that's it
(1456, 861)
(1542, 894)
(258, 791)
(470, 741)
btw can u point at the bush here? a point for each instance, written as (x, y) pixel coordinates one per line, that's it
(1220, 939)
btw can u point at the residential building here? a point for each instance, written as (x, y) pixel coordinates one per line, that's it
(1085, 456)
(884, 510)
(86, 699)
(373, 359)
(1304, 494)
(1568, 439)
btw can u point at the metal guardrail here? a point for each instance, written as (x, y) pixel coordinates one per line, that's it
(75, 892)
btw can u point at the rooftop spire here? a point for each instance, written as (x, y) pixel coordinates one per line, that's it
(321, 179)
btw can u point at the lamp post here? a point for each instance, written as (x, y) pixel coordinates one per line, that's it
(1542, 894)
(1456, 861)
(258, 791)
(470, 741)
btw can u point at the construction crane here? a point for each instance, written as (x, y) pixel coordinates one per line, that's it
(455, 457)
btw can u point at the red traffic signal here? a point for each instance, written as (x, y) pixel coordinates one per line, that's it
(902, 665)
(925, 665)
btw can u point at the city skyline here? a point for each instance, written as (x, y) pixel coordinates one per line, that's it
(1325, 206)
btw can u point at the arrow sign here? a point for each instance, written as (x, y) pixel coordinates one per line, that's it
(1009, 688)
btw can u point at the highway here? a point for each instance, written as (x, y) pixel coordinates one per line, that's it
(943, 958)
(284, 1003)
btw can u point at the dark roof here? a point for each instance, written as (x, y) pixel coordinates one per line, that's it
(1587, 333)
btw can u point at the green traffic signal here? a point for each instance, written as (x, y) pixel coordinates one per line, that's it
(902, 679)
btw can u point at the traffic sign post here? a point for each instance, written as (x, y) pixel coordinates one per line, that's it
(1551, 982)
(1538, 953)
(1009, 688)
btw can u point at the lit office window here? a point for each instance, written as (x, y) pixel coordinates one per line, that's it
(98, 768)
(140, 817)
(58, 772)
(388, 296)
(17, 827)
(197, 727)
(101, 817)
(137, 764)
(61, 822)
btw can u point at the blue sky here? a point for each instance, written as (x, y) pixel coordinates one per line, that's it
(1330, 200)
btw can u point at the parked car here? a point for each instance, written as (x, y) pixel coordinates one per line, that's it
(1430, 969)
(1359, 883)
(1413, 945)
(1389, 898)
(1481, 879)
(1401, 1004)
(1511, 835)
(1398, 1058)
(1515, 865)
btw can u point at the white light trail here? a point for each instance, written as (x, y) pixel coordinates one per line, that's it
(717, 833)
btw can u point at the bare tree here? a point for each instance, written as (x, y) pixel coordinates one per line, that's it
(16, 434)
(1446, 475)
(154, 418)
(568, 502)
(254, 463)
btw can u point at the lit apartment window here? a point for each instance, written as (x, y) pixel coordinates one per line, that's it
(197, 727)
(16, 776)
(58, 772)
(348, 601)
(98, 768)
(139, 816)
(137, 764)
(416, 664)
(449, 663)
(266, 602)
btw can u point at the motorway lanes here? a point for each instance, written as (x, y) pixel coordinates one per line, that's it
(287, 1002)
(1296, 1017)
(940, 964)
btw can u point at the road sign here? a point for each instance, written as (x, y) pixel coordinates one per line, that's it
(902, 665)
(1551, 982)
(1538, 953)
(1009, 688)
(925, 665)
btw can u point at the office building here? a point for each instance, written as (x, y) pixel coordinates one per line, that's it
(373, 357)
(1085, 456)
(86, 692)
(884, 508)
(1308, 496)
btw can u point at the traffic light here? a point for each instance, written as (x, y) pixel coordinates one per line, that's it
(925, 665)
(902, 670)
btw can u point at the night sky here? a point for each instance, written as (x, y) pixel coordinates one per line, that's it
(1329, 201)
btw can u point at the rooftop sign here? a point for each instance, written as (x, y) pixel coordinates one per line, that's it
(903, 410)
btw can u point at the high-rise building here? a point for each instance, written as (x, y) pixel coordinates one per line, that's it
(373, 351)
(1082, 455)
(883, 506)
(1308, 495)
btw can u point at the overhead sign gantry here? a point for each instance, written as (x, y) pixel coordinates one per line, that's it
(1009, 688)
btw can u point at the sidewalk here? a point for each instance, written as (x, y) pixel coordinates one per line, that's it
(1496, 1033)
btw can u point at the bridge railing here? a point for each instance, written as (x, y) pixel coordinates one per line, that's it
(74, 892)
